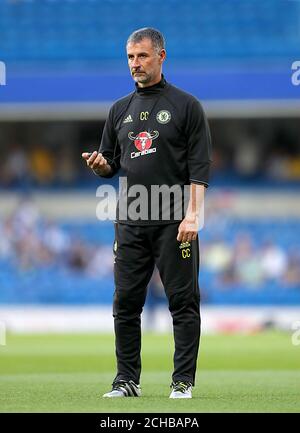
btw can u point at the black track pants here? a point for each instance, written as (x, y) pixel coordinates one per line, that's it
(137, 249)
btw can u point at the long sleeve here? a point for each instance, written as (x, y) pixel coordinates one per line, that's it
(109, 146)
(199, 143)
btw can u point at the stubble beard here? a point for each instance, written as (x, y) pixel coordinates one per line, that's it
(143, 79)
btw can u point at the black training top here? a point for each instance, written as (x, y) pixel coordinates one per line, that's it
(158, 135)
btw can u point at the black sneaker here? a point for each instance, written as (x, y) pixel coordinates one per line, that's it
(124, 388)
(181, 389)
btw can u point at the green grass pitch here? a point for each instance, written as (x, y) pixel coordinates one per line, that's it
(69, 373)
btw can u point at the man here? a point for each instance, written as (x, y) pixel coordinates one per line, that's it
(159, 136)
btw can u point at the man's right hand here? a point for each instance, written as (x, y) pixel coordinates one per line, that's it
(97, 163)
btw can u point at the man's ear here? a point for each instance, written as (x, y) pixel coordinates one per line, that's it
(163, 55)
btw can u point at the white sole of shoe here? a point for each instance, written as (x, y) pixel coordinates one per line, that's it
(178, 394)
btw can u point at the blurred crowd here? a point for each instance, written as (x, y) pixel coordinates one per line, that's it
(30, 242)
(248, 253)
(37, 166)
(42, 167)
(257, 150)
(261, 149)
(242, 263)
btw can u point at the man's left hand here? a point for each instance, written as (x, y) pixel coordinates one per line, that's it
(188, 229)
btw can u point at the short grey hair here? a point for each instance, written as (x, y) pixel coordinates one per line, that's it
(156, 37)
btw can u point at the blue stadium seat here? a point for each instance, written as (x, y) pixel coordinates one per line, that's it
(48, 31)
(57, 283)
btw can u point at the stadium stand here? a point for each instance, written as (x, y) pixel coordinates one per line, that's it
(219, 50)
(77, 30)
(245, 261)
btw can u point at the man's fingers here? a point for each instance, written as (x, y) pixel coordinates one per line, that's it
(86, 155)
(185, 236)
(179, 236)
(95, 161)
(182, 236)
(92, 158)
(89, 157)
(192, 237)
(99, 161)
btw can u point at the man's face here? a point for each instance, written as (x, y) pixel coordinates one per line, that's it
(145, 62)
